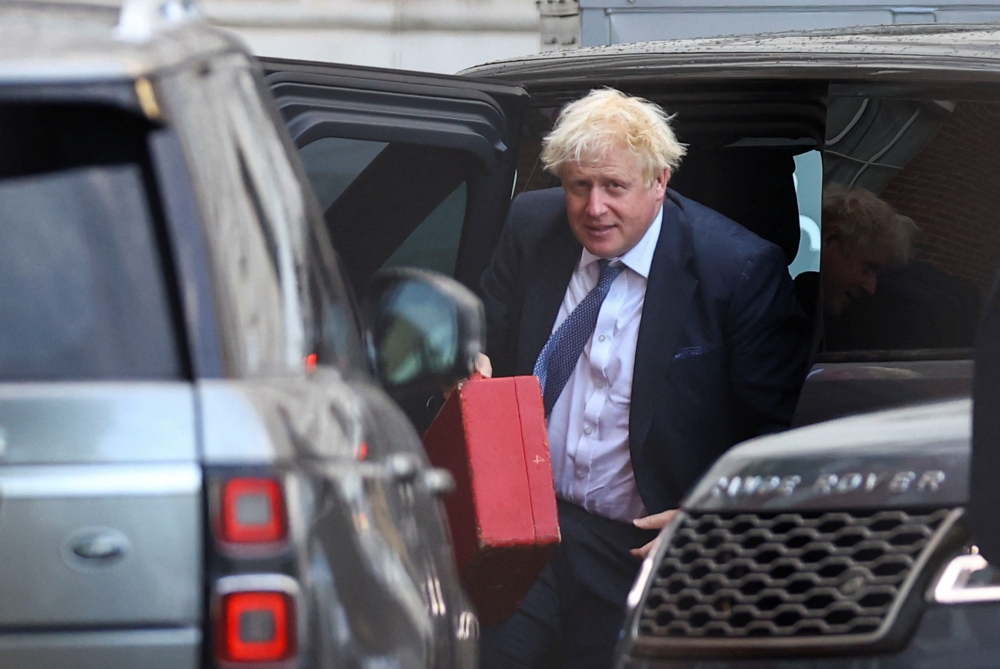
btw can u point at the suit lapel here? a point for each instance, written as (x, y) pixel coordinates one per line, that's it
(668, 296)
(551, 268)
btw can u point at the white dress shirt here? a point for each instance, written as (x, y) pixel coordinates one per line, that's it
(588, 426)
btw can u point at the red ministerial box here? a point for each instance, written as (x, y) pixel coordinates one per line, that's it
(491, 436)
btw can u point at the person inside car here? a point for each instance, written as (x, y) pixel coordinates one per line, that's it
(662, 334)
(862, 235)
(875, 297)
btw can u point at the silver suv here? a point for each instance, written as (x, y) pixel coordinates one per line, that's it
(198, 467)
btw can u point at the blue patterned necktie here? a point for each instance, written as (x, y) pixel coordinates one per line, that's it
(561, 352)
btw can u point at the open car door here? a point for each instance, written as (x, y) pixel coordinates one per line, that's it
(411, 169)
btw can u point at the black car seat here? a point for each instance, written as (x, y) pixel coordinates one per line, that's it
(754, 186)
(751, 185)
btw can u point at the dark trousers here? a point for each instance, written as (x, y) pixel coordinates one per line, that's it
(573, 614)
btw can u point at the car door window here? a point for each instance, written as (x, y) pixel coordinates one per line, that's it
(434, 243)
(83, 286)
(331, 164)
(378, 221)
(912, 281)
(410, 168)
(334, 163)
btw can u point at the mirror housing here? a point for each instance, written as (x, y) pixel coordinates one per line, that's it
(423, 330)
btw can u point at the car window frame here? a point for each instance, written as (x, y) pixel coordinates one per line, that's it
(477, 117)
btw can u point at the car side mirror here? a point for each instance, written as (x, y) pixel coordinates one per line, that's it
(423, 330)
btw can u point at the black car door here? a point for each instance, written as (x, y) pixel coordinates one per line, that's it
(410, 168)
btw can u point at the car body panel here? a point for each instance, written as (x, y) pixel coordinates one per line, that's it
(902, 458)
(879, 53)
(959, 637)
(834, 389)
(119, 545)
(100, 422)
(185, 227)
(234, 429)
(172, 648)
(101, 507)
(855, 470)
(378, 532)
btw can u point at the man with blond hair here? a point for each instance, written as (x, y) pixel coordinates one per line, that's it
(662, 333)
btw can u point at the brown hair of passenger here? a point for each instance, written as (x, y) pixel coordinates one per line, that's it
(862, 235)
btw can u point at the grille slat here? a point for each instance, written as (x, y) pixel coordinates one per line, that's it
(748, 576)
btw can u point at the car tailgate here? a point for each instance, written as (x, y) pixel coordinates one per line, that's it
(100, 525)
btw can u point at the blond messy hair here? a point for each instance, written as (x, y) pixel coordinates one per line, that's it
(605, 119)
(863, 221)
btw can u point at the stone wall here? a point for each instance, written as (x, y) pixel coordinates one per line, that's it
(429, 35)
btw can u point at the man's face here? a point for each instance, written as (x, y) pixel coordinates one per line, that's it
(846, 274)
(609, 205)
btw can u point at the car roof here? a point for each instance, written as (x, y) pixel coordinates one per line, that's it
(877, 52)
(44, 41)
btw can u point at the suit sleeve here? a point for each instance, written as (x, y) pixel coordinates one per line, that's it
(501, 291)
(768, 342)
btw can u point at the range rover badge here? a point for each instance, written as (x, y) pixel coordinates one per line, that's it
(893, 483)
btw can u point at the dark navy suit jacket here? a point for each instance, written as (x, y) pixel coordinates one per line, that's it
(722, 345)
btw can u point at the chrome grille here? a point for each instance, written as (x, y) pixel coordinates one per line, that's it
(753, 576)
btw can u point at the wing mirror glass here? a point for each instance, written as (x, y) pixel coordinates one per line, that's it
(424, 330)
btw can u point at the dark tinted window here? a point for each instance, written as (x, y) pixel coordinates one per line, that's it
(936, 162)
(82, 289)
(332, 163)
(376, 219)
(434, 243)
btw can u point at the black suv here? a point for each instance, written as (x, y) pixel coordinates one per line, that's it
(841, 544)
(847, 542)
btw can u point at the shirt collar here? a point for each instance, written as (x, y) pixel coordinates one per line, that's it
(640, 257)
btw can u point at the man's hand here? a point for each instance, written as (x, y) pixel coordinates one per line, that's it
(484, 366)
(656, 521)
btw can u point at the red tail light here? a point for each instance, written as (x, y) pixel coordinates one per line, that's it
(257, 627)
(253, 511)
(253, 567)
